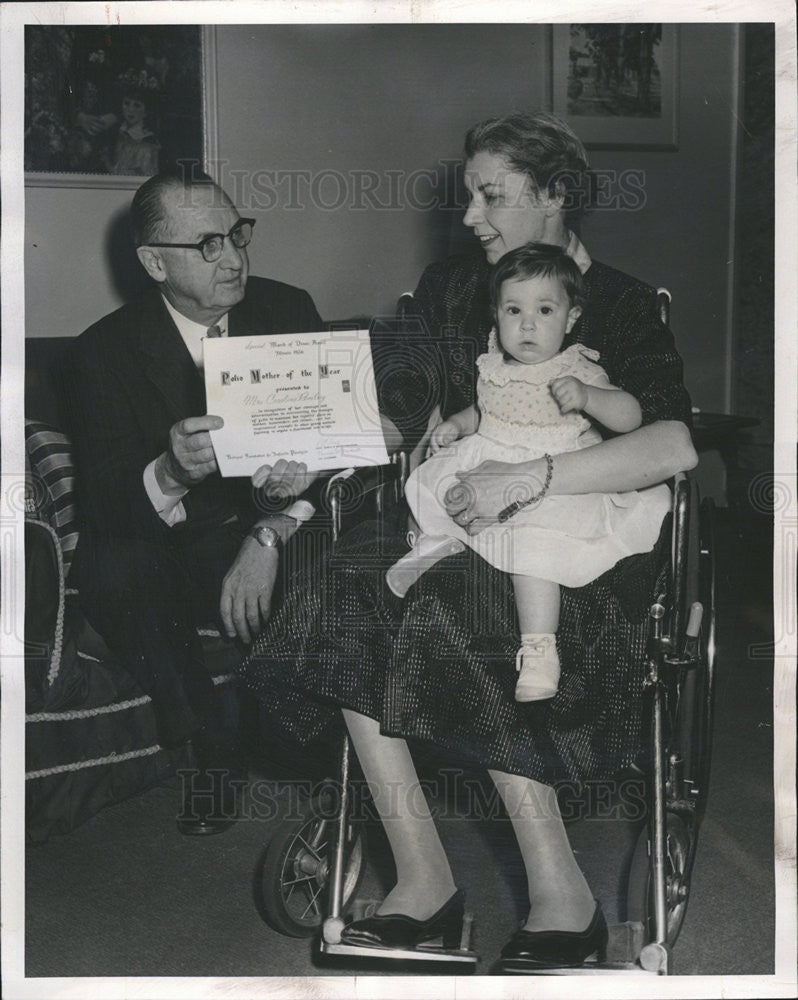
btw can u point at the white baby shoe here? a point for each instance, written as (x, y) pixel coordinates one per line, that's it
(426, 551)
(538, 667)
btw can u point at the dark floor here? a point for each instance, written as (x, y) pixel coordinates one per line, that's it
(126, 895)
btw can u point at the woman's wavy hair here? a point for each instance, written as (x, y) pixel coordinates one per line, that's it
(543, 147)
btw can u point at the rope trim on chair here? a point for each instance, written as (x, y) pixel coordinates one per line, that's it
(87, 713)
(120, 706)
(79, 765)
(58, 632)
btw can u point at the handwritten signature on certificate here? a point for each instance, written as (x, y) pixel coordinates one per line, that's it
(309, 397)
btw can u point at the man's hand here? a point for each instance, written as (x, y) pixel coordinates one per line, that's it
(570, 394)
(189, 458)
(445, 433)
(481, 494)
(283, 479)
(247, 590)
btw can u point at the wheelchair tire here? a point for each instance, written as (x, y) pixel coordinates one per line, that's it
(293, 876)
(693, 737)
(696, 701)
(681, 839)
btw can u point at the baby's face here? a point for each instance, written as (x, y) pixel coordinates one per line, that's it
(534, 315)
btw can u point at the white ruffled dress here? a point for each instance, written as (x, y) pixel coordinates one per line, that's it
(569, 539)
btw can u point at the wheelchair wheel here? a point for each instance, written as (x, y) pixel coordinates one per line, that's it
(295, 871)
(694, 719)
(681, 839)
(690, 745)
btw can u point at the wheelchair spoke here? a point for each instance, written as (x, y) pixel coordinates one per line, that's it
(299, 881)
(314, 850)
(295, 871)
(312, 905)
(321, 829)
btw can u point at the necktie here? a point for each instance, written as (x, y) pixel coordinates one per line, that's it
(214, 331)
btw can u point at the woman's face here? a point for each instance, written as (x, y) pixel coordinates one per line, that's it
(504, 211)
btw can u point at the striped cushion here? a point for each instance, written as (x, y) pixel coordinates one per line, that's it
(51, 496)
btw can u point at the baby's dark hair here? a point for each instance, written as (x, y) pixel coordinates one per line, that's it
(537, 260)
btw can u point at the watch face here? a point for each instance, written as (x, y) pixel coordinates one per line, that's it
(267, 537)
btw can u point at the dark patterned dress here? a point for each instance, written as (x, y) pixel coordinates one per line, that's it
(438, 666)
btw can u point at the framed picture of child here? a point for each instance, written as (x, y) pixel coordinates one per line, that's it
(106, 106)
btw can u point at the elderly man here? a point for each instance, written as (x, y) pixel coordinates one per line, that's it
(167, 543)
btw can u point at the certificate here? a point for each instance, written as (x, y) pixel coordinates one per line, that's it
(306, 397)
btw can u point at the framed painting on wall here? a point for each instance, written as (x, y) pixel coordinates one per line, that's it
(617, 84)
(106, 106)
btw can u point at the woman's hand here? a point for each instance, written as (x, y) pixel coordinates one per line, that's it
(481, 494)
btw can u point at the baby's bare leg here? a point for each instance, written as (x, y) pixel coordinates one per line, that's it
(538, 604)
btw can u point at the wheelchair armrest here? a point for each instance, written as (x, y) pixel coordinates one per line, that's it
(367, 481)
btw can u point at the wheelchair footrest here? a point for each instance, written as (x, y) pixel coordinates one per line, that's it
(400, 954)
(624, 945)
(331, 944)
(588, 969)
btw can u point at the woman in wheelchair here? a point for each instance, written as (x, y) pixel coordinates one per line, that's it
(534, 397)
(436, 667)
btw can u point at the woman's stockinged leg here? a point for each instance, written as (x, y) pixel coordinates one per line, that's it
(424, 879)
(559, 896)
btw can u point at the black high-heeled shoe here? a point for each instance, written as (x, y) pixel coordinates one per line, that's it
(528, 950)
(395, 930)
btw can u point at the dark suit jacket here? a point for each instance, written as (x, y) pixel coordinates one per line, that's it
(129, 378)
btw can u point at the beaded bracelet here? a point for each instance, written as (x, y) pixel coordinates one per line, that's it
(517, 505)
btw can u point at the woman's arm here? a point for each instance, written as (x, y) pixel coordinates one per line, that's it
(644, 457)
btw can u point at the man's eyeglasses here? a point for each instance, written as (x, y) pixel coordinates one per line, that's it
(212, 246)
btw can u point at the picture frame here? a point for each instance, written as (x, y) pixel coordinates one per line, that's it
(617, 84)
(86, 88)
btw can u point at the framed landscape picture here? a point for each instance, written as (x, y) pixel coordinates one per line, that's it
(108, 105)
(617, 84)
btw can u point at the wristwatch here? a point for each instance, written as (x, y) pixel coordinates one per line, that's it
(266, 536)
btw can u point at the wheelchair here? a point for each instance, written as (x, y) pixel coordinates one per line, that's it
(310, 873)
